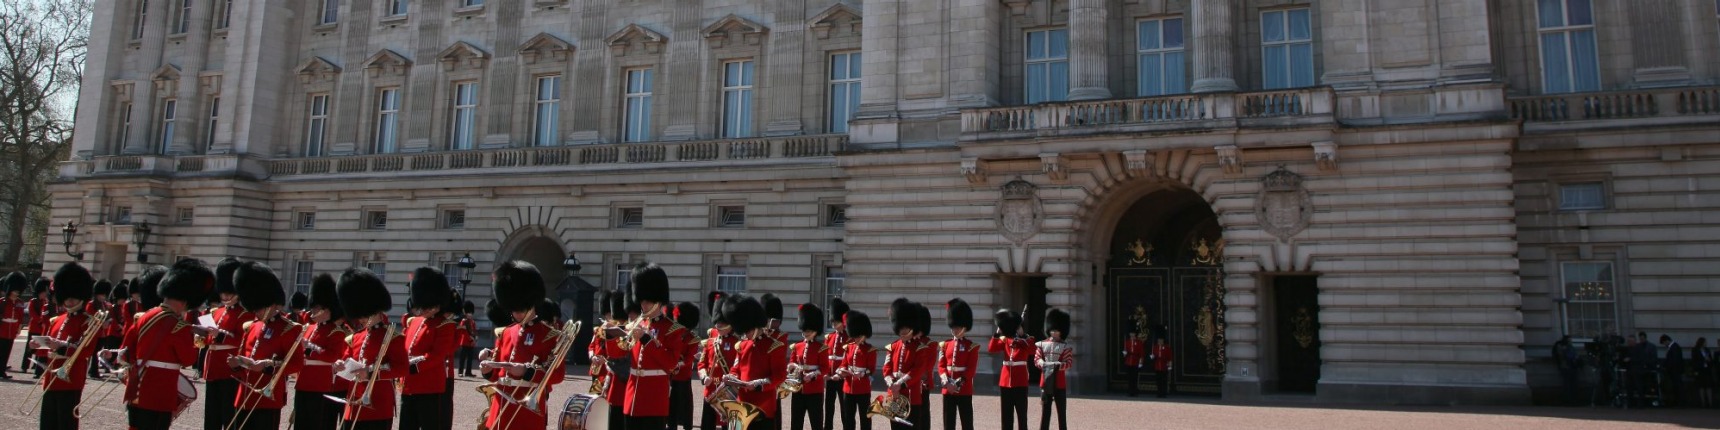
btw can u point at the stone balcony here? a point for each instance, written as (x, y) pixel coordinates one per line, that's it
(1177, 113)
(1646, 107)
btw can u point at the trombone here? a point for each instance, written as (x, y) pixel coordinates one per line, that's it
(268, 390)
(64, 372)
(564, 343)
(374, 370)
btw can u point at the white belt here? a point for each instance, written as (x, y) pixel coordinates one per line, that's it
(856, 369)
(809, 367)
(161, 365)
(221, 347)
(8, 321)
(648, 373)
(317, 363)
(1014, 363)
(516, 383)
(958, 369)
(834, 357)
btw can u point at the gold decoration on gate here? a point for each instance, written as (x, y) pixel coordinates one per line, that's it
(1143, 253)
(1208, 255)
(1303, 327)
(1209, 321)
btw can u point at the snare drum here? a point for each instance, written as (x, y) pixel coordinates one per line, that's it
(584, 412)
(187, 394)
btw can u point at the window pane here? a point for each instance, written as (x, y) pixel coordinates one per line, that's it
(1273, 67)
(1585, 68)
(1151, 75)
(838, 66)
(646, 77)
(1272, 26)
(1555, 65)
(1551, 12)
(1036, 83)
(1058, 81)
(854, 66)
(1058, 44)
(1035, 45)
(1173, 33)
(838, 108)
(1579, 13)
(1173, 71)
(1299, 25)
(1301, 65)
(1149, 31)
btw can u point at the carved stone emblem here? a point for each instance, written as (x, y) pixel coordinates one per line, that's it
(1283, 207)
(1019, 212)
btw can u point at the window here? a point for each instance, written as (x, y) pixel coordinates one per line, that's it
(214, 120)
(1047, 65)
(169, 111)
(732, 280)
(1287, 42)
(380, 268)
(316, 125)
(835, 215)
(737, 99)
(305, 221)
(330, 12)
(452, 271)
(1159, 50)
(844, 89)
(396, 7)
(454, 219)
(834, 281)
(376, 220)
(302, 275)
(124, 132)
(1582, 196)
(122, 215)
(623, 277)
(637, 119)
(471, 3)
(387, 118)
(182, 20)
(226, 14)
(633, 217)
(465, 116)
(731, 216)
(1568, 54)
(184, 216)
(547, 111)
(1591, 309)
(142, 18)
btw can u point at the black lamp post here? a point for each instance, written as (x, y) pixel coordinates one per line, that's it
(68, 233)
(140, 237)
(571, 263)
(466, 265)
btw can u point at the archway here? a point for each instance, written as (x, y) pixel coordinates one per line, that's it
(1164, 280)
(539, 246)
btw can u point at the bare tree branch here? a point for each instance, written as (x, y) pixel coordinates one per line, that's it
(43, 47)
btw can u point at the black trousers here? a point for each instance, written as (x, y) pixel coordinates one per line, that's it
(218, 402)
(110, 342)
(1048, 398)
(372, 425)
(57, 409)
(1014, 401)
(681, 404)
(312, 411)
(710, 419)
(832, 397)
(617, 417)
(646, 423)
(1672, 388)
(1134, 381)
(958, 407)
(1162, 380)
(144, 419)
(425, 412)
(447, 397)
(260, 419)
(468, 355)
(6, 354)
(803, 405)
(855, 406)
(762, 422)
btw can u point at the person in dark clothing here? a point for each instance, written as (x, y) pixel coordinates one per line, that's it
(1702, 369)
(1672, 372)
(1566, 356)
(1640, 358)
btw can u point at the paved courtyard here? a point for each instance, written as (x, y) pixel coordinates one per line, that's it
(1092, 413)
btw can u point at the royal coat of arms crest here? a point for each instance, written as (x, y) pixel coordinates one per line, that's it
(1019, 211)
(1283, 207)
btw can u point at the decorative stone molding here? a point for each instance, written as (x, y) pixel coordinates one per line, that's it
(1283, 207)
(462, 55)
(1139, 162)
(724, 30)
(1019, 211)
(122, 90)
(1326, 156)
(387, 62)
(1054, 167)
(317, 69)
(546, 46)
(166, 79)
(1017, 7)
(974, 170)
(209, 83)
(1230, 158)
(837, 16)
(622, 41)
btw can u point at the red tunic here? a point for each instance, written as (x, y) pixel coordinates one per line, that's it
(113, 325)
(910, 358)
(960, 360)
(614, 388)
(1134, 352)
(317, 373)
(157, 347)
(1162, 357)
(464, 331)
(231, 319)
(1017, 352)
(11, 318)
(688, 365)
(716, 356)
(809, 354)
(39, 312)
(861, 360)
(276, 340)
(761, 358)
(1065, 354)
(653, 361)
(434, 339)
(68, 328)
(834, 344)
(531, 344)
(364, 346)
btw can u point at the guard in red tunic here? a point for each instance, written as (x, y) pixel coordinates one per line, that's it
(11, 316)
(657, 343)
(859, 362)
(522, 360)
(956, 366)
(1054, 359)
(761, 362)
(296, 310)
(467, 329)
(716, 356)
(430, 342)
(375, 355)
(99, 303)
(614, 362)
(1134, 356)
(159, 345)
(681, 380)
(904, 369)
(270, 352)
(124, 309)
(1161, 364)
(65, 346)
(230, 319)
(808, 356)
(773, 328)
(833, 344)
(325, 343)
(1017, 348)
(41, 310)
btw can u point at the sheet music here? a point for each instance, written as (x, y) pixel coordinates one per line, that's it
(206, 320)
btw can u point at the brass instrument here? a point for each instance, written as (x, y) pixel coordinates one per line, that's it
(792, 384)
(564, 343)
(627, 340)
(726, 400)
(374, 370)
(892, 404)
(598, 371)
(268, 390)
(64, 372)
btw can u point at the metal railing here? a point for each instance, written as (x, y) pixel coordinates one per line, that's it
(625, 153)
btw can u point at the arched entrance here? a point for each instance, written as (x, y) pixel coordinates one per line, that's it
(1164, 278)
(539, 246)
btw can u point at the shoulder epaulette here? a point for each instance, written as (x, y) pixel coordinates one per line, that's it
(774, 345)
(444, 322)
(247, 325)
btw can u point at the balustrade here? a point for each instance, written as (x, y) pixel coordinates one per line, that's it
(1647, 103)
(1096, 114)
(627, 153)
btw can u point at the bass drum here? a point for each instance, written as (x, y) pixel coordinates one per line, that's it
(584, 412)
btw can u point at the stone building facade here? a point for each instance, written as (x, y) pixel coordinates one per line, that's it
(1399, 201)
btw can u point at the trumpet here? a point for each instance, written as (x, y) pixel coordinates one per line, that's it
(116, 375)
(627, 340)
(64, 372)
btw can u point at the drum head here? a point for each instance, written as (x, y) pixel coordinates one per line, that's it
(584, 412)
(186, 388)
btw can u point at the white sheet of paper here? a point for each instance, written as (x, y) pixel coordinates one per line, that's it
(206, 320)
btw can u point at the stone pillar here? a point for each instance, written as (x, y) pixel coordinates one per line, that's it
(191, 114)
(143, 95)
(1087, 60)
(1214, 24)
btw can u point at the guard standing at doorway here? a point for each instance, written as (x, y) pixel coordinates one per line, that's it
(960, 359)
(1134, 356)
(1017, 348)
(1055, 358)
(1162, 365)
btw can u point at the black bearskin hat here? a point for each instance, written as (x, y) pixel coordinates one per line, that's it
(13, 282)
(452, 306)
(41, 286)
(1006, 321)
(650, 283)
(601, 299)
(859, 325)
(744, 314)
(498, 317)
(300, 300)
(922, 319)
(258, 286)
(103, 288)
(718, 301)
(518, 286)
(428, 289)
(362, 294)
(1056, 319)
(959, 314)
(838, 309)
(123, 283)
(146, 284)
(903, 315)
(224, 276)
(713, 302)
(324, 295)
(811, 318)
(121, 291)
(772, 306)
(189, 280)
(687, 315)
(548, 312)
(468, 307)
(73, 281)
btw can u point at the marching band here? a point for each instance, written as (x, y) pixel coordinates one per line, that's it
(347, 361)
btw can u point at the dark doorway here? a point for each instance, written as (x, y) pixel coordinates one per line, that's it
(1296, 311)
(1165, 279)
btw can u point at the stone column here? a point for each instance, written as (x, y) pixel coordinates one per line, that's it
(1214, 45)
(1087, 65)
(191, 115)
